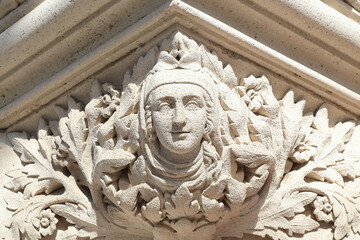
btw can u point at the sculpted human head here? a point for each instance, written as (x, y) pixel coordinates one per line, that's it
(178, 109)
(179, 116)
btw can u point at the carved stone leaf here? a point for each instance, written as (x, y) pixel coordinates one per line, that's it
(18, 183)
(46, 142)
(13, 200)
(129, 197)
(230, 77)
(351, 236)
(152, 210)
(13, 173)
(326, 174)
(213, 209)
(183, 204)
(301, 224)
(353, 188)
(352, 151)
(346, 213)
(321, 120)
(45, 149)
(295, 202)
(141, 68)
(38, 173)
(111, 161)
(26, 221)
(77, 215)
(30, 233)
(38, 187)
(260, 131)
(350, 167)
(347, 170)
(69, 234)
(233, 123)
(29, 148)
(275, 214)
(74, 133)
(73, 130)
(85, 233)
(342, 227)
(291, 115)
(129, 223)
(274, 234)
(335, 142)
(178, 41)
(212, 62)
(33, 170)
(353, 216)
(118, 183)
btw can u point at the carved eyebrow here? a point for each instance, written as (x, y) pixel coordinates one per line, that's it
(156, 102)
(164, 99)
(193, 97)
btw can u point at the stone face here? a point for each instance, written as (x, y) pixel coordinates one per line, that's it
(186, 149)
(191, 136)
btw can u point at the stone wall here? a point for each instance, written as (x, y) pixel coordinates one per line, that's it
(180, 119)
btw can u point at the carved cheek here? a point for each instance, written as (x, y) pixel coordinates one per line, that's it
(162, 121)
(196, 120)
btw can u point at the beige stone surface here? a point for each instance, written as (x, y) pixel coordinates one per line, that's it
(180, 119)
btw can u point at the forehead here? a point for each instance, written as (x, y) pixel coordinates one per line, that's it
(177, 90)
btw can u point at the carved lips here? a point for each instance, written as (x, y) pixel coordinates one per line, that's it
(179, 116)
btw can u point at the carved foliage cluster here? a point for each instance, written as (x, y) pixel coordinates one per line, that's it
(320, 175)
(274, 171)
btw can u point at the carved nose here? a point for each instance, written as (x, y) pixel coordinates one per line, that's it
(179, 119)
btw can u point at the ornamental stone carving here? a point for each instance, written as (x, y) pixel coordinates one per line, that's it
(185, 150)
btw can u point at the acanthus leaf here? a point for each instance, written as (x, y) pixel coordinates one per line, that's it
(327, 174)
(301, 224)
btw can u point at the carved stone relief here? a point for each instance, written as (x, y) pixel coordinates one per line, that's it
(186, 150)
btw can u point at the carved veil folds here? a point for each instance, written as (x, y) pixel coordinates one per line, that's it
(262, 167)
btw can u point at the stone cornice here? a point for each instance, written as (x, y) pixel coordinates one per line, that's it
(6, 6)
(350, 8)
(75, 40)
(186, 149)
(178, 119)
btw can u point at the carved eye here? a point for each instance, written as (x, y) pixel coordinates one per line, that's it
(164, 106)
(192, 105)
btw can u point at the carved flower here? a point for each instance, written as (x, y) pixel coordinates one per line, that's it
(110, 101)
(60, 158)
(255, 100)
(45, 222)
(323, 209)
(303, 152)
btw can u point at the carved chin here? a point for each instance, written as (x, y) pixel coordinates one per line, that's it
(179, 143)
(180, 146)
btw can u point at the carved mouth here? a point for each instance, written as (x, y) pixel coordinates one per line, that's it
(180, 134)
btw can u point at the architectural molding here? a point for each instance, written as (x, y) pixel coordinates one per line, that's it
(181, 119)
(347, 8)
(70, 67)
(7, 6)
(354, 4)
(186, 149)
